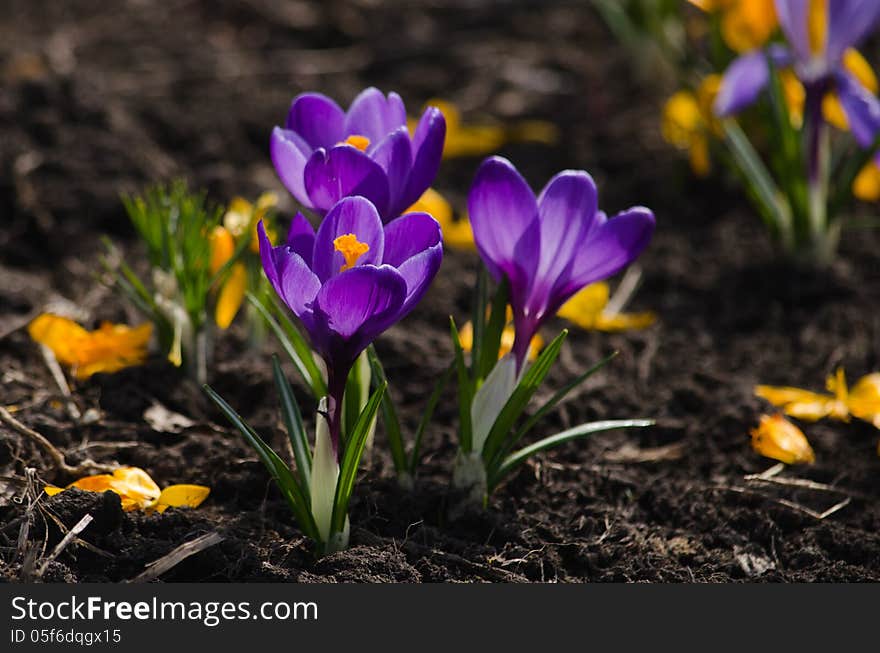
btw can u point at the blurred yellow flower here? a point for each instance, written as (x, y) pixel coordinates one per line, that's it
(139, 491)
(781, 440)
(586, 309)
(866, 185)
(688, 122)
(856, 64)
(466, 339)
(474, 140)
(861, 402)
(745, 24)
(457, 234)
(239, 222)
(109, 348)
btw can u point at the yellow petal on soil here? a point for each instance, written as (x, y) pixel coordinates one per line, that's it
(182, 496)
(779, 439)
(624, 322)
(864, 399)
(866, 185)
(231, 296)
(508, 335)
(803, 404)
(52, 490)
(585, 306)
(109, 348)
(222, 247)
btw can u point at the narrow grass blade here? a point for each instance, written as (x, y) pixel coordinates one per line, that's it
(433, 400)
(306, 371)
(299, 440)
(581, 431)
(389, 415)
(491, 342)
(351, 459)
(518, 401)
(279, 471)
(465, 392)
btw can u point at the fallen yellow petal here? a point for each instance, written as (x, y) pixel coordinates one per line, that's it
(803, 404)
(182, 496)
(781, 440)
(231, 296)
(138, 491)
(109, 348)
(864, 399)
(586, 309)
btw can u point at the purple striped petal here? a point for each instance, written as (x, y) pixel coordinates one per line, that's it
(394, 154)
(862, 108)
(290, 153)
(301, 236)
(567, 211)
(343, 171)
(317, 119)
(375, 116)
(849, 22)
(743, 82)
(501, 207)
(793, 18)
(414, 245)
(427, 147)
(352, 215)
(290, 276)
(611, 245)
(354, 307)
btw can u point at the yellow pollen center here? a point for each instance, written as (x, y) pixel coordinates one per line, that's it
(351, 248)
(360, 142)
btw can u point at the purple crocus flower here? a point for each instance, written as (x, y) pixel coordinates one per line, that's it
(351, 280)
(550, 247)
(324, 153)
(819, 65)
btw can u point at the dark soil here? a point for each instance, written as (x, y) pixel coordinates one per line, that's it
(95, 102)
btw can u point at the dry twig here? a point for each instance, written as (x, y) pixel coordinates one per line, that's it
(67, 539)
(158, 567)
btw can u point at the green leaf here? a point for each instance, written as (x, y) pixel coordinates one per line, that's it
(389, 415)
(491, 342)
(583, 430)
(433, 400)
(465, 392)
(351, 458)
(299, 440)
(518, 401)
(551, 403)
(776, 209)
(288, 337)
(357, 390)
(478, 321)
(279, 471)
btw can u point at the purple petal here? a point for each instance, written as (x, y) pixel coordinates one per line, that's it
(743, 82)
(862, 108)
(301, 236)
(289, 275)
(375, 116)
(427, 147)
(343, 171)
(394, 154)
(317, 119)
(793, 18)
(414, 245)
(610, 246)
(849, 22)
(567, 212)
(352, 215)
(355, 307)
(501, 207)
(289, 154)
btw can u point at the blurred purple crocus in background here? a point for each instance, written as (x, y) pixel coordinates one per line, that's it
(324, 154)
(351, 281)
(817, 57)
(550, 247)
